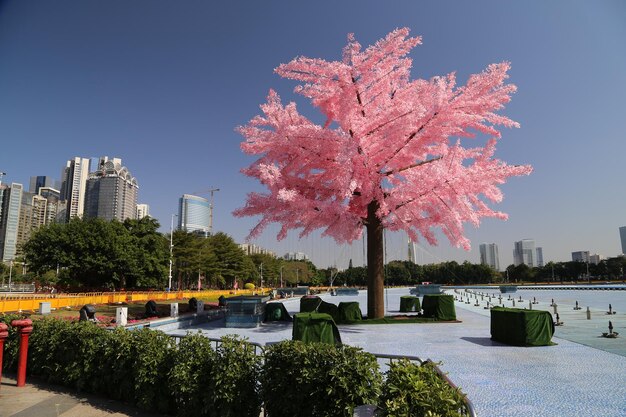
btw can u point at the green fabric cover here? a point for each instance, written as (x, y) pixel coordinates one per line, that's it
(349, 312)
(439, 306)
(517, 327)
(329, 308)
(276, 312)
(409, 303)
(315, 327)
(309, 304)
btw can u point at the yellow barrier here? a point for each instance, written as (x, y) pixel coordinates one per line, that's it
(10, 303)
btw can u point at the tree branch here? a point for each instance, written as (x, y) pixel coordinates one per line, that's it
(391, 172)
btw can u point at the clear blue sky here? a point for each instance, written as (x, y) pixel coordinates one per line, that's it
(163, 84)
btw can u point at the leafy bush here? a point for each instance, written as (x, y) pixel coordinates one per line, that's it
(412, 390)
(318, 379)
(126, 365)
(193, 364)
(11, 343)
(113, 376)
(66, 352)
(236, 380)
(152, 351)
(248, 286)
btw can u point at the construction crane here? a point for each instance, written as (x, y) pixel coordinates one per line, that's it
(208, 191)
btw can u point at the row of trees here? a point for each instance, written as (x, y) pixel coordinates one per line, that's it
(99, 254)
(607, 269)
(408, 273)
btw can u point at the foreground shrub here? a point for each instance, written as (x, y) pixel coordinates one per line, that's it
(413, 390)
(152, 351)
(317, 379)
(113, 377)
(64, 352)
(236, 380)
(11, 343)
(190, 377)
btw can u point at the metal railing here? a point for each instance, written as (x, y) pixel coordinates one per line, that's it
(468, 407)
(466, 410)
(17, 302)
(19, 288)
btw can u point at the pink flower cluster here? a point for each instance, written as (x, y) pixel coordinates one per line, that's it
(387, 139)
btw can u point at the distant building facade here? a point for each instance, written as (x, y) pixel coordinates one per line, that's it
(296, 256)
(595, 259)
(111, 192)
(194, 214)
(524, 252)
(40, 181)
(489, 255)
(10, 205)
(540, 257)
(143, 210)
(581, 256)
(252, 249)
(74, 181)
(622, 238)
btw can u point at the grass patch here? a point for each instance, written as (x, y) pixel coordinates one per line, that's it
(399, 320)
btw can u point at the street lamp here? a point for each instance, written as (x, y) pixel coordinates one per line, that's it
(169, 284)
(261, 269)
(281, 275)
(10, 273)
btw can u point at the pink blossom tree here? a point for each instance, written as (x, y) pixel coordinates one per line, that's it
(384, 159)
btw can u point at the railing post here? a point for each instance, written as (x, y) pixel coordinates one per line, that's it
(24, 328)
(4, 333)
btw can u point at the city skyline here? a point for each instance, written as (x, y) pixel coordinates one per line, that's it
(165, 88)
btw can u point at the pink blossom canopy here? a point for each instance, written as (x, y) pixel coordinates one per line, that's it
(386, 139)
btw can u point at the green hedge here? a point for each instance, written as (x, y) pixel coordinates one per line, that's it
(317, 379)
(11, 343)
(412, 390)
(147, 368)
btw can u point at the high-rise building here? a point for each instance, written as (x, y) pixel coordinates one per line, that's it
(581, 256)
(9, 220)
(524, 252)
(622, 238)
(143, 210)
(252, 249)
(111, 191)
(539, 257)
(53, 203)
(40, 181)
(595, 259)
(411, 251)
(295, 256)
(194, 214)
(74, 180)
(489, 255)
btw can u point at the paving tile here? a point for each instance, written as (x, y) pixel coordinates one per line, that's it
(569, 379)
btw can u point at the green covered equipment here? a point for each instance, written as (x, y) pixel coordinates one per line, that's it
(315, 327)
(439, 306)
(276, 311)
(409, 303)
(517, 327)
(349, 312)
(309, 304)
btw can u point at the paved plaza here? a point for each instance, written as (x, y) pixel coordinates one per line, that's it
(569, 379)
(573, 378)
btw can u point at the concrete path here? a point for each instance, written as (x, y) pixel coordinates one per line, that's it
(38, 399)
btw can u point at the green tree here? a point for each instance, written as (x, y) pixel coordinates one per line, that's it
(230, 258)
(95, 253)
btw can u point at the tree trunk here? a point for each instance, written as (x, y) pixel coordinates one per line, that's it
(375, 264)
